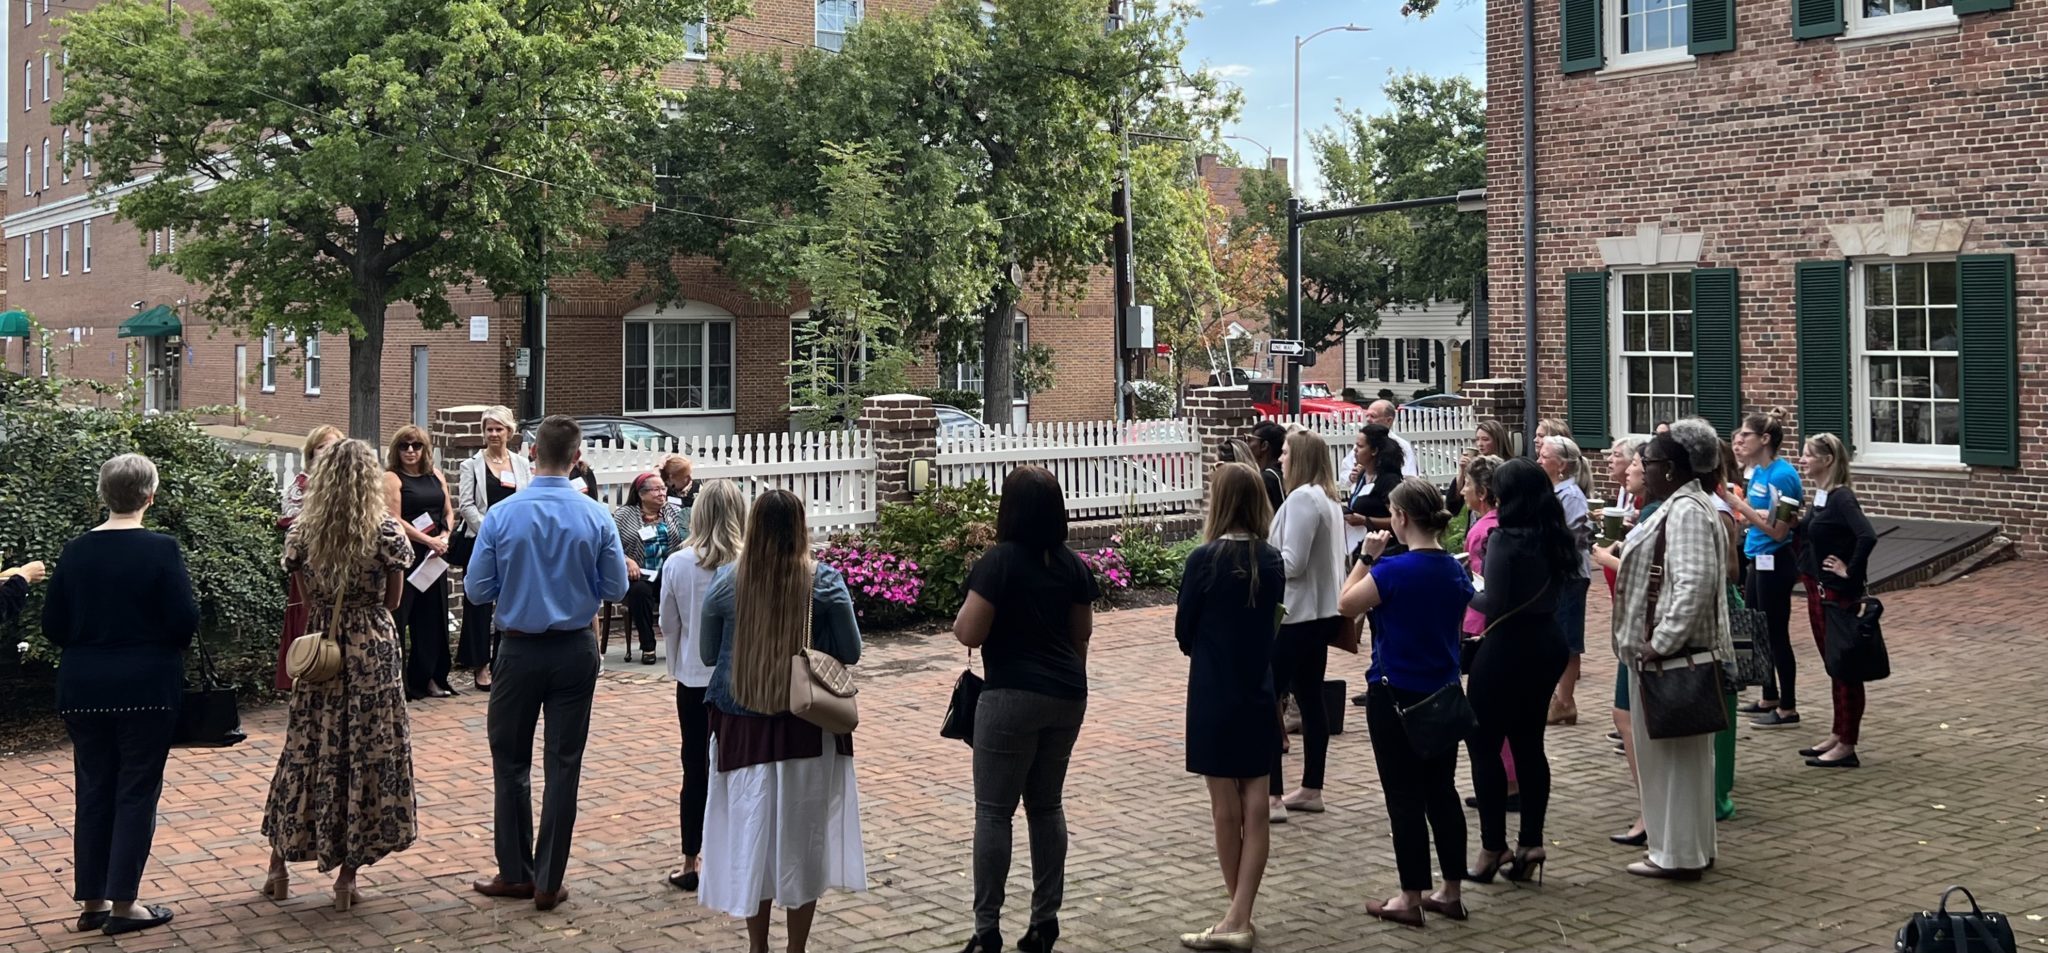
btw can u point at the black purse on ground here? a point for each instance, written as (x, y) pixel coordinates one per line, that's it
(1855, 641)
(209, 716)
(1437, 725)
(1939, 931)
(1684, 696)
(959, 723)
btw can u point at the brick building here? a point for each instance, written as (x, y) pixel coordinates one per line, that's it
(715, 363)
(1830, 207)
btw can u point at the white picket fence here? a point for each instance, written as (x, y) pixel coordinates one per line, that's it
(833, 472)
(1438, 434)
(1104, 468)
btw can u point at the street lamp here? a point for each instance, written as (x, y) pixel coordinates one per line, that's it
(1299, 42)
(1262, 146)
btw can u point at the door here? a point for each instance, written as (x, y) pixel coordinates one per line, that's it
(160, 361)
(419, 385)
(241, 382)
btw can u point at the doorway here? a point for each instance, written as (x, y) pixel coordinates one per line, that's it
(161, 360)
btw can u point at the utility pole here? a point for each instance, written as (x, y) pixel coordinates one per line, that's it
(1123, 256)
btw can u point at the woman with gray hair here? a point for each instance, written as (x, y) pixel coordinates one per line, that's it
(119, 686)
(493, 474)
(1569, 477)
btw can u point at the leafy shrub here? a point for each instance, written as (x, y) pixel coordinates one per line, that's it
(1108, 566)
(222, 509)
(884, 585)
(1153, 399)
(1151, 561)
(943, 531)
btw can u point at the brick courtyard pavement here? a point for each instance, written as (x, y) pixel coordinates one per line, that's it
(1953, 791)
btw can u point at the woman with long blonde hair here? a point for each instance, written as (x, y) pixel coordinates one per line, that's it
(782, 814)
(1309, 532)
(717, 530)
(343, 791)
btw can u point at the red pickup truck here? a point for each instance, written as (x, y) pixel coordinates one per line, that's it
(1316, 399)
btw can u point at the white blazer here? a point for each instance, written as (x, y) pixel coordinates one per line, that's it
(1309, 532)
(474, 496)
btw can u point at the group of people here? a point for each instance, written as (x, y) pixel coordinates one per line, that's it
(1290, 564)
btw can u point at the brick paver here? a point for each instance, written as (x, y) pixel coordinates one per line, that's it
(1955, 789)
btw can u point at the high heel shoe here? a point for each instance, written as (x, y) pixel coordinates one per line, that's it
(983, 944)
(1527, 863)
(1484, 875)
(277, 885)
(1040, 937)
(345, 894)
(1637, 839)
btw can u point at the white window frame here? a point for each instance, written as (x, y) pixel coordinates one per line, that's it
(85, 160)
(838, 42)
(1619, 353)
(64, 157)
(156, 241)
(45, 186)
(697, 40)
(85, 246)
(647, 322)
(957, 375)
(28, 158)
(269, 369)
(1867, 449)
(46, 253)
(28, 84)
(28, 258)
(1611, 33)
(311, 368)
(64, 261)
(1857, 26)
(46, 76)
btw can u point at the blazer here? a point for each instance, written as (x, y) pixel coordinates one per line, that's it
(474, 495)
(1309, 532)
(1692, 604)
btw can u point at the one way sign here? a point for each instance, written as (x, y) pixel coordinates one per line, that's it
(1286, 347)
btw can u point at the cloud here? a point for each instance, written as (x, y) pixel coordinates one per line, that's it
(1230, 71)
(1264, 3)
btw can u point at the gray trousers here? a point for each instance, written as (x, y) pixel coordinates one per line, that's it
(554, 673)
(1022, 741)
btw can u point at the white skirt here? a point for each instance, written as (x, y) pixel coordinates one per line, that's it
(785, 831)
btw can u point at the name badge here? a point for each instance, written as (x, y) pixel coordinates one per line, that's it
(647, 534)
(505, 479)
(650, 575)
(1768, 562)
(1820, 498)
(423, 522)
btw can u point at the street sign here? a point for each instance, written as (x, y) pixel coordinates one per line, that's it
(522, 366)
(1284, 346)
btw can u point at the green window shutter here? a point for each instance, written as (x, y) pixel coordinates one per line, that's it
(1814, 18)
(1990, 349)
(1581, 35)
(1585, 357)
(1981, 6)
(1820, 305)
(1713, 26)
(1716, 368)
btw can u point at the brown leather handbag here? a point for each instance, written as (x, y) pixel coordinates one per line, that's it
(316, 657)
(821, 690)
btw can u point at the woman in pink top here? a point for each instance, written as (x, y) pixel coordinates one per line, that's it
(1476, 486)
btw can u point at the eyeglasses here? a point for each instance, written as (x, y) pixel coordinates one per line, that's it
(1647, 460)
(412, 445)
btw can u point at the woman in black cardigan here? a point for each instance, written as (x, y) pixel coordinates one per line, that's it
(14, 583)
(1832, 566)
(121, 607)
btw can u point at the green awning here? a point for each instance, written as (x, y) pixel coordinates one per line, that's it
(14, 324)
(157, 322)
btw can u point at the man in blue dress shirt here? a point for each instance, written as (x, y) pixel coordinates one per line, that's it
(550, 560)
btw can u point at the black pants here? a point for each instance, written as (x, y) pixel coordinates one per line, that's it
(693, 718)
(1422, 793)
(118, 769)
(422, 621)
(1772, 592)
(643, 600)
(1300, 657)
(553, 673)
(1512, 680)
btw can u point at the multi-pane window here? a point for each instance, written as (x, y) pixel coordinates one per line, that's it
(1890, 16)
(1650, 25)
(85, 239)
(46, 76)
(269, 372)
(834, 19)
(678, 366)
(965, 374)
(64, 156)
(1886, 8)
(696, 40)
(85, 161)
(45, 181)
(64, 262)
(28, 85)
(28, 182)
(1910, 353)
(46, 252)
(1656, 349)
(312, 358)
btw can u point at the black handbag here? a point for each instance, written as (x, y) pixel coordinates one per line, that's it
(1684, 696)
(1939, 931)
(460, 547)
(959, 723)
(1437, 725)
(1855, 641)
(209, 716)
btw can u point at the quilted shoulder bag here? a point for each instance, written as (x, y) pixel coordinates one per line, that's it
(1939, 931)
(820, 688)
(1748, 632)
(959, 723)
(316, 657)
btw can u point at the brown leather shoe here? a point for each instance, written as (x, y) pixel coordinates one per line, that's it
(545, 900)
(497, 887)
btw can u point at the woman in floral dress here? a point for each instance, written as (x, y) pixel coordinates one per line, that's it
(343, 792)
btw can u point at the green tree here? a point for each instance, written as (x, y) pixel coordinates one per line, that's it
(852, 347)
(323, 159)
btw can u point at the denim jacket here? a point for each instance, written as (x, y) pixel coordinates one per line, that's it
(834, 630)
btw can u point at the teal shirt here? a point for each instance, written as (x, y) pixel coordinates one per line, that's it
(1773, 481)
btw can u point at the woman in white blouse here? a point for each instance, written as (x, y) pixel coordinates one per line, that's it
(1309, 532)
(494, 473)
(717, 529)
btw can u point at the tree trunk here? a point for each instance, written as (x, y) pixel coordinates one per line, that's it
(366, 363)
(999, 359)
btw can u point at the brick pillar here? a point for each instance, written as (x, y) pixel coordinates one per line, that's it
(904, 429)
(1218, 414)
(1498, 399)
(458, 433)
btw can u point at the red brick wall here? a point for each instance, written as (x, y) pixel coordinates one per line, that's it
(1759, 151)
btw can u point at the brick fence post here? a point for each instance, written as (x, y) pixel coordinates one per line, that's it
(905, 429)
(1499, 399)
(1218, 414)
(458, 433)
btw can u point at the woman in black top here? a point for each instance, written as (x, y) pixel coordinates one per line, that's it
(417, 495)
(1375, 472)
(1267, 439)
(14, 583)
(1030, 610)
(1832, 566)
(1530, 556)
(121, 607)
(1228, 613)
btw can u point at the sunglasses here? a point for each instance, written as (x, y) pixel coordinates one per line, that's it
(412, 445)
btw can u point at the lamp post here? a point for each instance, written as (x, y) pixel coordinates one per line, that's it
(1268, 150)
(1299, 42)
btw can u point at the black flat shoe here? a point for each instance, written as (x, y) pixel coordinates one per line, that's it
(1636, 839)
(158, 916)
(686, 880)
(91, 920)
(1848, 762)
(1813, 752)
(1513, 806)
(1756, 708)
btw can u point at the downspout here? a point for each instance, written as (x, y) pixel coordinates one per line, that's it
(1529, 413)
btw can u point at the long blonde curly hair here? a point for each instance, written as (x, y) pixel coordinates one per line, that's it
(338, 527)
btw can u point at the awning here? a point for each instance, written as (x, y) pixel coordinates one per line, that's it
(157, 322)
(14, 324)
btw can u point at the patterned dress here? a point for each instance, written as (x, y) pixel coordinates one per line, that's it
(343, 792)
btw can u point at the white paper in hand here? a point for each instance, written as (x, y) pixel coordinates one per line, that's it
(423, 522)
(427, 572)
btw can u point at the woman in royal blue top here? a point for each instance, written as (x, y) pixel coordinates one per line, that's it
(1417, 600)
(1769, 552)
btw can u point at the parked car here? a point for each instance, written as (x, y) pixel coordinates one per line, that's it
(1268, 400)
(956, 422)
(604, 431)
(1237, 377)
(1439, 400)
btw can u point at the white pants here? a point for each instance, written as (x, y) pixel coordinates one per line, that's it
(1678, 791)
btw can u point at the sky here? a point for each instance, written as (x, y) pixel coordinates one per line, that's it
(1251, 43)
